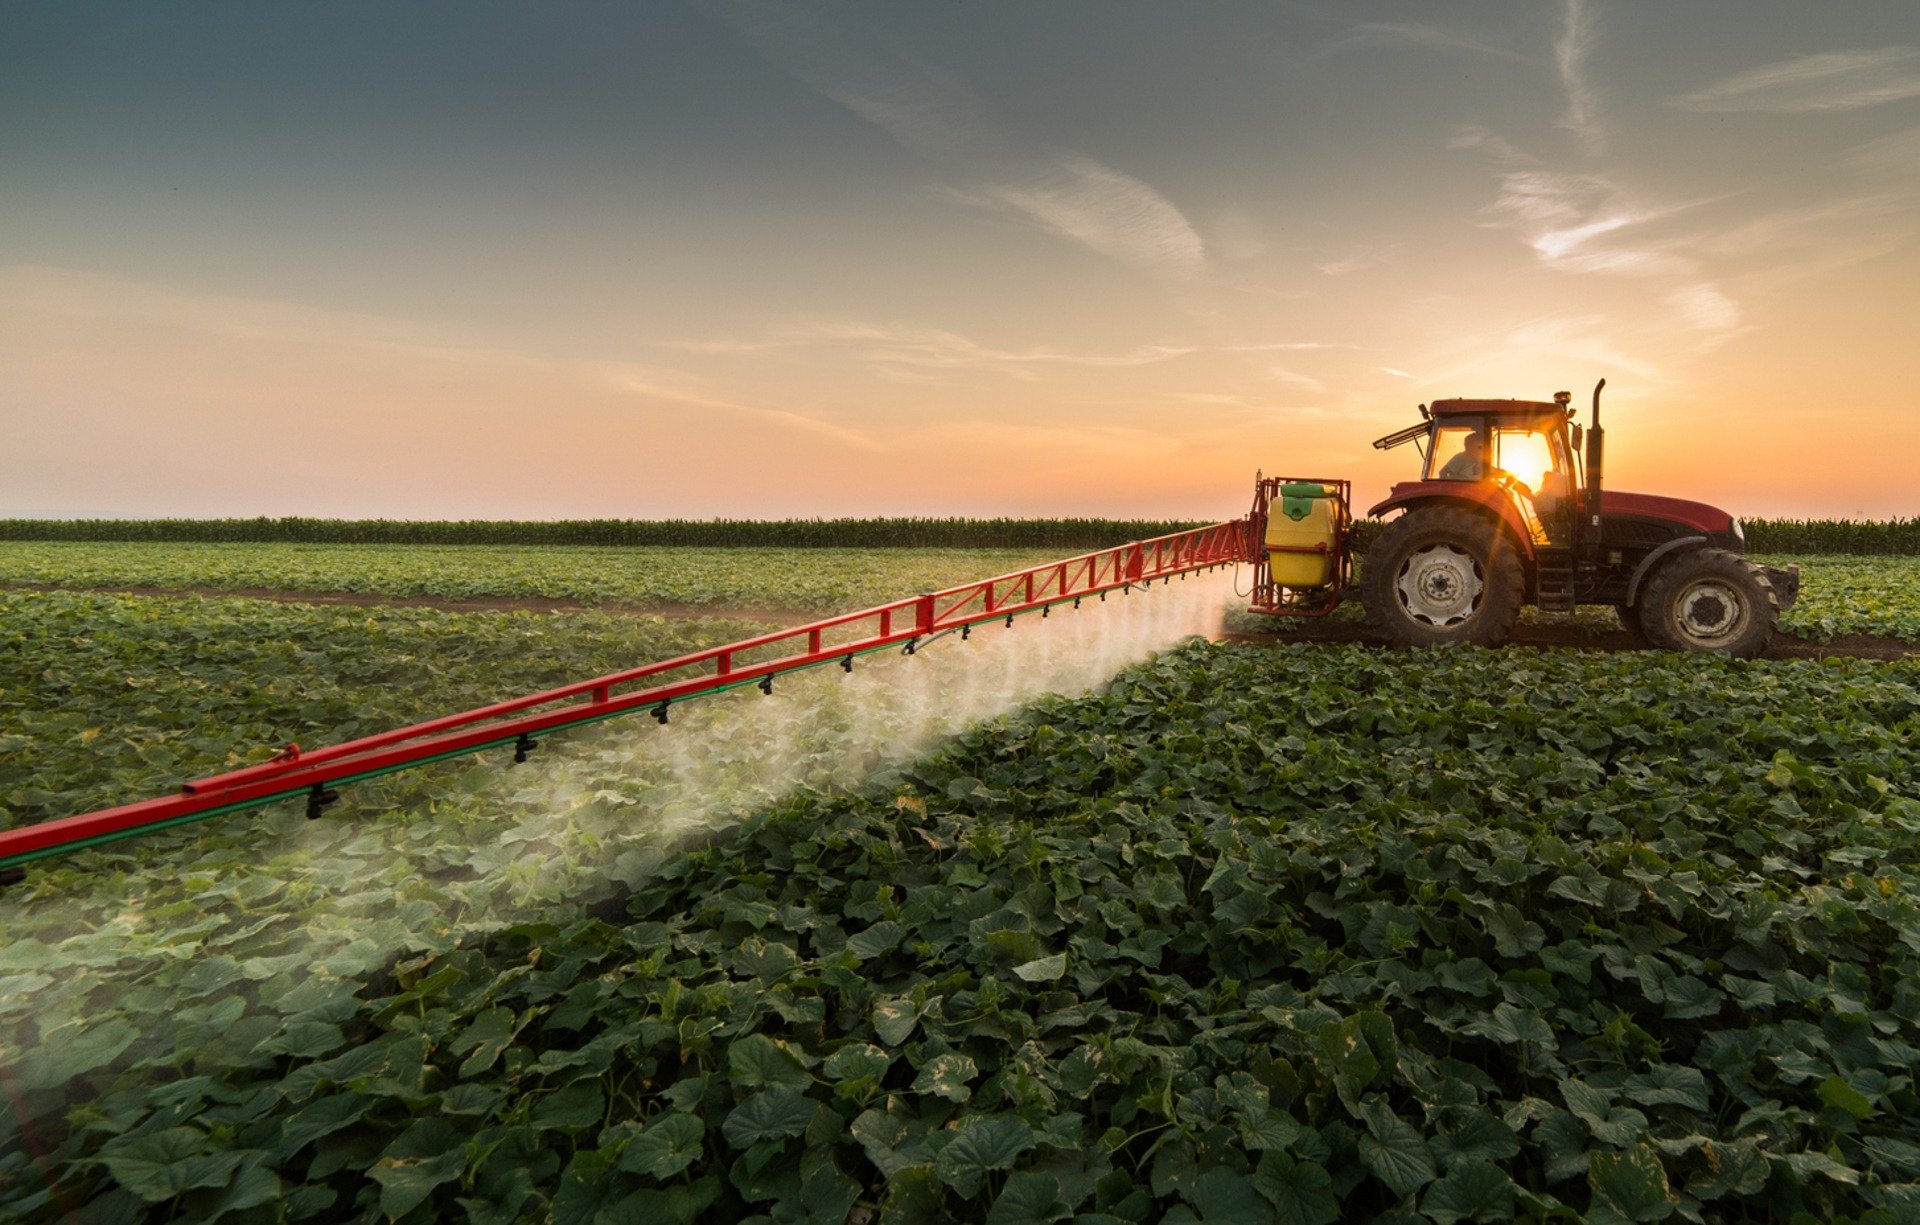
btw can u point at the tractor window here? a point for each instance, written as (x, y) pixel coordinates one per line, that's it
(1459, 453)
(1524, 454)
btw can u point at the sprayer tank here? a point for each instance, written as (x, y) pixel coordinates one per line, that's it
(1303, 528)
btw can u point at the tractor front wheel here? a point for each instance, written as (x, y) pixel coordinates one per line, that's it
(1442, 576)
(1630, 620)
(1709, 600)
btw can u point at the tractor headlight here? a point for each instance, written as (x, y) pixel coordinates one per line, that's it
(1740, 533)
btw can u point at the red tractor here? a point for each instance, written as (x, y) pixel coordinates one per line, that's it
(1505, 514)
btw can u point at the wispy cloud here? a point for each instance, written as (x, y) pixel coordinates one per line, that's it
(1411, 34)
(1570, 52)
(926, 110)
(903, 346)
(1580, 222)
(1828, 81)
(1111, 212)
(1361, 257)
(1588, 338)
(1286, 346)
(1895, 156)
(1706, 308)
(906, 345)
(238, 329)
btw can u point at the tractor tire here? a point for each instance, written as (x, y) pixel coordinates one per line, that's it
(1709, 600)
(1628, 615)
(1442, 577)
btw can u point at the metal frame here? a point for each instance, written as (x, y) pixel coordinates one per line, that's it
(1275, 600)
(654, 688)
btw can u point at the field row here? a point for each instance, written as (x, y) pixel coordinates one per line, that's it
(1251, 933)
(1840, 595)
(786, 580)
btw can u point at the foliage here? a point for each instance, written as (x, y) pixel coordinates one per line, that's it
(892, 533)
(1854, 595)
(1856, 536)
(104, 699)
(1256, 933)
(786, 580)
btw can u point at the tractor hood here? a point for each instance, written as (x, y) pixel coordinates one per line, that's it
(1694, 516)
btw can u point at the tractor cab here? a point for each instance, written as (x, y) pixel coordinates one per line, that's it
(1524, 451)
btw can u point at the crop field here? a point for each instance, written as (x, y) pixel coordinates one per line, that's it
(1249, 932)
(1841, 595)
(786, 580)
(1854, 595)
(1175, 946)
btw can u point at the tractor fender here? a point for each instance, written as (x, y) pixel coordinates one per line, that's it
(1654, 558)
(1482, 496)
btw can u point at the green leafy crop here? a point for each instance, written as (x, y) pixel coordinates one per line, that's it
(1255, 933)
(786, 580)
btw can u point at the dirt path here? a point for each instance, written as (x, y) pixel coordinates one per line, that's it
(1573, 637)
(1579, 638)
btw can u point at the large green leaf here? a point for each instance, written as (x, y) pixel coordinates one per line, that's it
(1397, 1154)
(1301, 1192)
(771, 1114)
(947, 1076)
(668, 1145)
(162, 1164)
(1472, 1191)
(1043, 969)
(1630, 1185)
(1226, 1198)
(1028, 1198)
(1610, 1124)
(757, 1061)
(427, 1155)
(988, 1143)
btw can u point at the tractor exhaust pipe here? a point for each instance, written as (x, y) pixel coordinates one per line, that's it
(1596, 456)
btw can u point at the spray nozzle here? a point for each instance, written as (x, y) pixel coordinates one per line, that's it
(318, 799)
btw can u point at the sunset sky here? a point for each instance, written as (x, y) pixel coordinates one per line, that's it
(742, 259)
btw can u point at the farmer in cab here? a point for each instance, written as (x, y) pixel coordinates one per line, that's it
(1470, 464)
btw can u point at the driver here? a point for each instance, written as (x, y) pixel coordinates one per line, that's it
(1470, 464)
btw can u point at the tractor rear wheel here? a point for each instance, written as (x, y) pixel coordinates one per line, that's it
(1441, 576)
(1709, 600)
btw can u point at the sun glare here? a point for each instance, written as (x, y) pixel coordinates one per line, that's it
(1524, 453)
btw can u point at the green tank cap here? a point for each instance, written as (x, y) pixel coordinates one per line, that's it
(1297, 498)
(1305, 489)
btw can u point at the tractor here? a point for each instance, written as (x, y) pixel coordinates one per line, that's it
(1504, 514)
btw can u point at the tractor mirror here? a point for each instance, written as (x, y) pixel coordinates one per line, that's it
(1578, 434)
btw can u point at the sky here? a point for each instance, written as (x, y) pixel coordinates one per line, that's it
(1098, 258)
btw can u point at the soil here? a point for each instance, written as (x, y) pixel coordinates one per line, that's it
(1582, 638)
(1572, 637)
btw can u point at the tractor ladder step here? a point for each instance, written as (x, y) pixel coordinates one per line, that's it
(1554, 573)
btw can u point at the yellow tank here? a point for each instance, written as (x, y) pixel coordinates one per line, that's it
(1304, 516)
